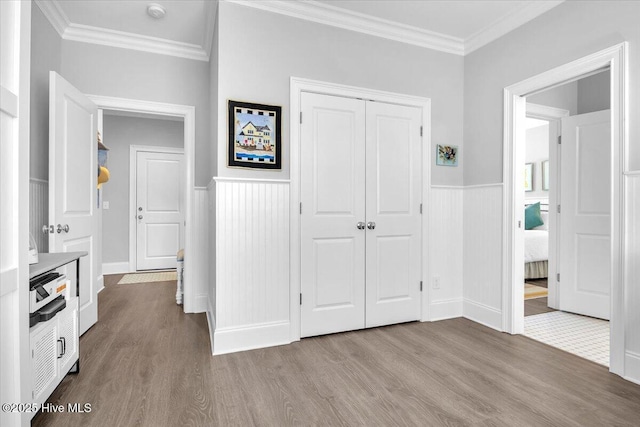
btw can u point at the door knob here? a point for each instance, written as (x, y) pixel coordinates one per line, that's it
(140, 208)
(59, 228)
(46, 229)
(65, 228)
(371, 225)
(139, 216)
(360, 225)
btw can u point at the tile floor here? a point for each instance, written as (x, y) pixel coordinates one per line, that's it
(580, 335)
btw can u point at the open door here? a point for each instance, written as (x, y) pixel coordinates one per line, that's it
(73, 124)
(585, 215)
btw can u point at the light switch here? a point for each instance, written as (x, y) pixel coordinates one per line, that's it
(105, 205)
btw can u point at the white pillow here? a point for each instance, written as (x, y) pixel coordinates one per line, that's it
(545, 219)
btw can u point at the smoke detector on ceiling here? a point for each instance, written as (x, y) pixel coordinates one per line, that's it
(156, 11)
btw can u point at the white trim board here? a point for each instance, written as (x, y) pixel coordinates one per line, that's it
(125, 40)
(133, 193)
(188, 113)
(297, 87)
(615, 57)
(343, 18)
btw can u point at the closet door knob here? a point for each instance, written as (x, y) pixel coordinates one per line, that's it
(360, 225)
(139, 216)
(65, 228)
(371, 225)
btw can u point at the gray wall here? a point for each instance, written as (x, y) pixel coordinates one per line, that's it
(594, 93)
(119, 134)
(565, 97)
(568, 32)
(583, 96)
(124, 73)
(292, 47)
(46, 47)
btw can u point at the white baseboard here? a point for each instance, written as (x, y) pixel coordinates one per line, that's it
(201, 303)
(445, 309)
(251, 337)
(100, 283)
(115, 267)
(211, 322)
(483, 314)
(632, 367)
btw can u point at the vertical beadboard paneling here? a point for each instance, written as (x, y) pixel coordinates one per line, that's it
(39, 212)
(632, 276)
(445, 252)
(483, 254)
(200, 276)
(252, 263)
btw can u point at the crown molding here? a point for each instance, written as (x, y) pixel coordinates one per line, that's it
(53, 12)
(322, 13)
(337, 17)
(507, 24)
(120, 39)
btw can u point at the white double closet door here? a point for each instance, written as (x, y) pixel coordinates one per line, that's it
(360, 215)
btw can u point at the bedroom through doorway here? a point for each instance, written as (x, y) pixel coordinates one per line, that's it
(567, 217)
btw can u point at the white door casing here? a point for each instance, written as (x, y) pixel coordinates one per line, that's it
(159, 209)
(393, 245)
(360, 261)
(332, 205)
(73, 187)
(585, 217)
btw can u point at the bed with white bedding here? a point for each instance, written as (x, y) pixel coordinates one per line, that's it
(536, 250)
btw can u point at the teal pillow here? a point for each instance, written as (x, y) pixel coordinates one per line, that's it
(532, 217)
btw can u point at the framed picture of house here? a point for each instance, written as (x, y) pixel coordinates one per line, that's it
(528, 177)
(254, 135)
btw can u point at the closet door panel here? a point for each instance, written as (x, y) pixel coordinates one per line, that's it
(333, 202)
(393, 169)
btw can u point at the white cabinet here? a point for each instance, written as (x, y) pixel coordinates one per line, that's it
(54, 350)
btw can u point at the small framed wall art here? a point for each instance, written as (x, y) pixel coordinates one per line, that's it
(446, 155)
(254, 135)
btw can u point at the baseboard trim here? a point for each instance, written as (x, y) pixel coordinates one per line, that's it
(116, 267)
(632, 367)
(201, 303)
(483, 314)
(211, 322)
(231, 340)
(445, 309)
(100, 283)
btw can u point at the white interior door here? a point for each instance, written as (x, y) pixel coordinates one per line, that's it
(73, 186)
(159, 209)
(332, 204)
(393, 236)
(585, 218)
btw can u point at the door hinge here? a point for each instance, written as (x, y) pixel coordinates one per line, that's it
(300, 208)
(421, 286)
(420, 130)
(300, 117)
(420, 208)
(558, 209)
(300, 298)
(559, 139)
(558, 277)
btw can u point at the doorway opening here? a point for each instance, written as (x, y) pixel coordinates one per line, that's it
(515, 99)
(566, 268)
(185, 114)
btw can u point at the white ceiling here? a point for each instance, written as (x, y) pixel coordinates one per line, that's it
(457, 27)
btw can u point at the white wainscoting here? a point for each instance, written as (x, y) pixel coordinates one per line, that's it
(445, 252)
(483, 255)
(199, 277)
(39, 212)
(211, 303)
(252, 264)
(632, 276)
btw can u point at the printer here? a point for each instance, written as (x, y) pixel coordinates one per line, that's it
(47, 296)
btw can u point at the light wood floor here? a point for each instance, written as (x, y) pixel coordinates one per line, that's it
(146, 363)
